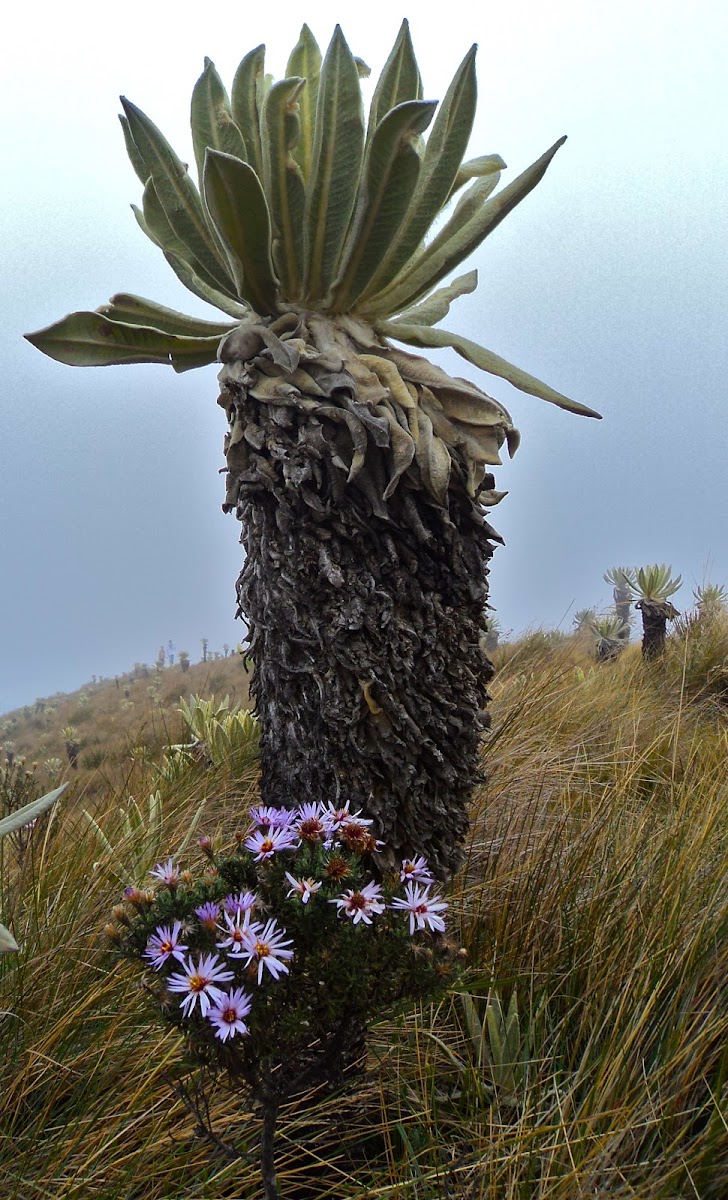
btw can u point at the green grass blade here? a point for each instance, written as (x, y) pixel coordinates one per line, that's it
(336, 166)
(461, 236)
(284, 183)
(211, 119)
(177, 196)
(246, 104)
(135, 310)
(442, 159)
(390, 178)
(88, 339)
(238, 207)
(486, 360)
(399, 81)
(94, 826)
(305, 63)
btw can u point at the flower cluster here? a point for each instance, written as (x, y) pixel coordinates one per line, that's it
(288, 933)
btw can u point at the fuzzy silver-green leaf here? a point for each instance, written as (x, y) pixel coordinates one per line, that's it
(486, 360)
(284, 184)
(390, 177)
(305, 63)
(88, 339)
(450, 248)
(211, 118)
(336, 166)
(237, 206)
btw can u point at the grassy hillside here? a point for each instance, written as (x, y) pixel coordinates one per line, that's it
(116, 720)
(593, 908)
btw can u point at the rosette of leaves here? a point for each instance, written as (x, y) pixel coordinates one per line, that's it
(609, 635)
(711, 599)
(622, 581)
(360, 471)
(583, 620)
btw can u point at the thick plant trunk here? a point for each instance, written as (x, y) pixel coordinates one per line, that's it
(365, 625)
(622, 608)
(609, 648)
(654, 627)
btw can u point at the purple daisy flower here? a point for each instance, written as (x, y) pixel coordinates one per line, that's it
(265, 946)
(265, 845)
(228, 1014)
(239, 903)
(167, 873)
(360, 905)
(305, 888)
(208, 914)
(423, 909)
(199, 983)
(164, 944)
(313, 823)
(416, 870)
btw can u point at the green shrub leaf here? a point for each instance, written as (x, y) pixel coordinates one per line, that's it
(30, 812)
(135, 310)
(442, 158)
(436, 307)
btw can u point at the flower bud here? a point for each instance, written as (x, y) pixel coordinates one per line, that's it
(136, 897)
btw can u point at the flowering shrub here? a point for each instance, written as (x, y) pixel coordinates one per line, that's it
(272, 959)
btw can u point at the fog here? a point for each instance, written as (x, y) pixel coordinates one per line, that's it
(609, 281)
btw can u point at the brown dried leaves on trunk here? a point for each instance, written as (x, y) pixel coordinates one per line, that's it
(365, 577)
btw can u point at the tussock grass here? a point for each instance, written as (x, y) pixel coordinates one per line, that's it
(594, 909)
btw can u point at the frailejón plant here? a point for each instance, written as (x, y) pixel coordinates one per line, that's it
(360, 471)
(652, 587)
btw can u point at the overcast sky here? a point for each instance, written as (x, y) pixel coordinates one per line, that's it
(610, 282)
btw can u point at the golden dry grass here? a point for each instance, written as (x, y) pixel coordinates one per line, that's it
(595, 892)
